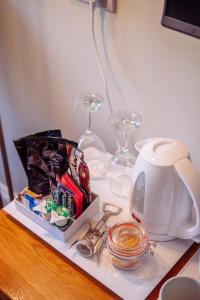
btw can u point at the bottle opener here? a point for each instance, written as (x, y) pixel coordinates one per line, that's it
(92, 242)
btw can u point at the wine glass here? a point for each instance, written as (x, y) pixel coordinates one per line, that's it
(122, 163)
(92, 146)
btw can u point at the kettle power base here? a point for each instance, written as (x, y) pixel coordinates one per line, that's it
(160, 237)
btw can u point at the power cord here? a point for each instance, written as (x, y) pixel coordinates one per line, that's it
(100, 63)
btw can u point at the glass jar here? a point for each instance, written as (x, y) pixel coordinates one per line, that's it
(126, 243)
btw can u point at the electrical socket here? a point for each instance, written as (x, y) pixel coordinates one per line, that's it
(109, 5)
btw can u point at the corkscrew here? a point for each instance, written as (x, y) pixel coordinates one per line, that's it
(93, 240)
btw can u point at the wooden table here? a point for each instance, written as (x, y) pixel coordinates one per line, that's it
(31, 269)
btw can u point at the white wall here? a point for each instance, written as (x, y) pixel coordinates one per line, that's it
(47, 59)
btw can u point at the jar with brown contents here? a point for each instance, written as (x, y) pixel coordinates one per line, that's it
(126, 243)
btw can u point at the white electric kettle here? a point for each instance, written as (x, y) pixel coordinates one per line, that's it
(165, 190)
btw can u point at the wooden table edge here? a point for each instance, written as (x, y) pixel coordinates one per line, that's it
(4, 296)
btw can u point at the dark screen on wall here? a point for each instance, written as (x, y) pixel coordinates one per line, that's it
(184, 10)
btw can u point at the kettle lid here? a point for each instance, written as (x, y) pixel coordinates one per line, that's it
(164, 152)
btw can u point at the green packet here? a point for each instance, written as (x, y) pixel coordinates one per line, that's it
(47, 206)
(55, 214)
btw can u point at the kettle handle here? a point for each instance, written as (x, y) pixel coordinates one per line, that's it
(191, 179)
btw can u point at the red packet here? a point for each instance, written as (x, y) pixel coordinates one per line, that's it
(77, 194)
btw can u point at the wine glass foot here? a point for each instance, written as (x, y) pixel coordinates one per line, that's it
(120, 181)
(96, 161)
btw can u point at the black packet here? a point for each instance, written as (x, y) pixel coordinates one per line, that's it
(20, 144)
(46, 158)
(38, 178)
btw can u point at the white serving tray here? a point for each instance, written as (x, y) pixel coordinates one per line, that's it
(135, 284)
(192, 268)
(89, 213)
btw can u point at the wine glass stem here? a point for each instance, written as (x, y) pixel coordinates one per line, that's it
(116, 136)
(89, 126)
(125, 146)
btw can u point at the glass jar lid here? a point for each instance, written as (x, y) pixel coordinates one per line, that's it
(127, 239)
